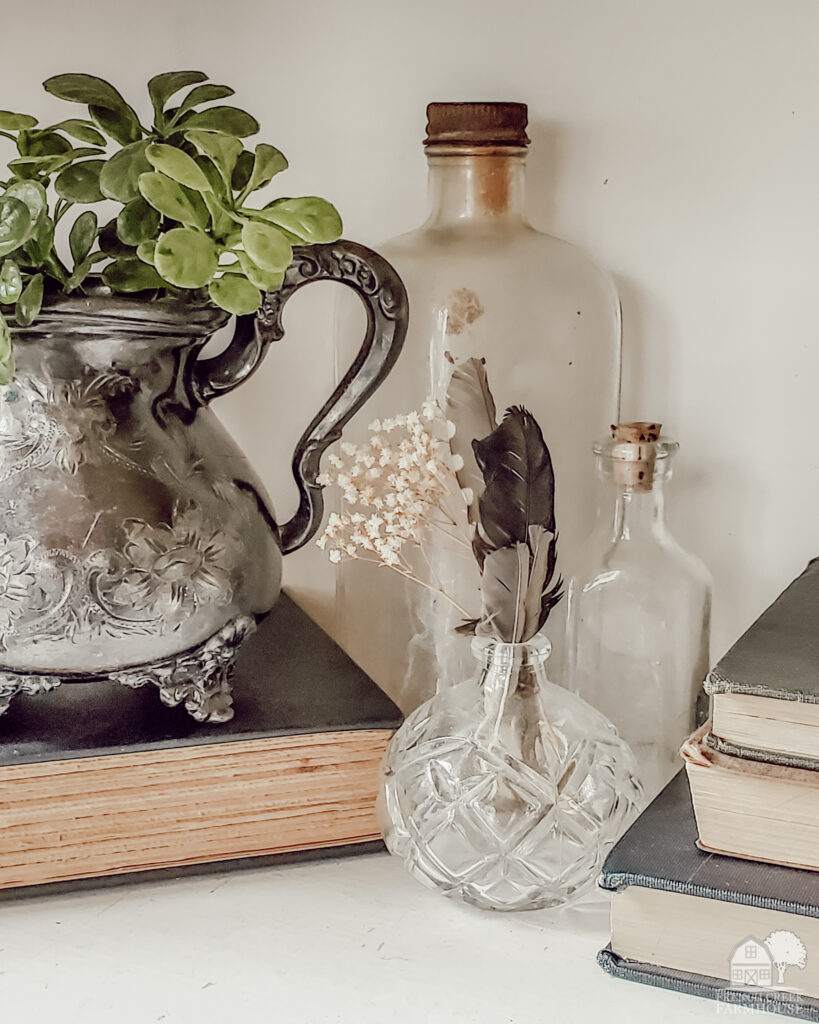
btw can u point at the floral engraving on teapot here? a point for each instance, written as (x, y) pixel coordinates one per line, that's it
(164, 570)
(158, 576)
(61, 422)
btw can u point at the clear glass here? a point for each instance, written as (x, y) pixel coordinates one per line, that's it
(639, 614)
(483, 282)
(507, 791)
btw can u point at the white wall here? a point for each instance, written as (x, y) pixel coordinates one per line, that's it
(677, 140)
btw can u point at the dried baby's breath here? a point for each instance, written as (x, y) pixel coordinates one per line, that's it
(395, 488)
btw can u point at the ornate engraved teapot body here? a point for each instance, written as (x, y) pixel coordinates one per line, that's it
(136, 542)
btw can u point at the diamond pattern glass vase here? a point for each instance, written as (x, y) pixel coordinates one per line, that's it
(507, 791)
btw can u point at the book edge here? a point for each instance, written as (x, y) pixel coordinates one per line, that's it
(746, 753)
(174, 873)
(620, 880)
(791, 1004)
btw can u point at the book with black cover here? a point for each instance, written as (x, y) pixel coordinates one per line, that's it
(771, 679)
(659, 853)
(98, 779)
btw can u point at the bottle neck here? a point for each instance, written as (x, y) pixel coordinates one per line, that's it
(476, 185)
(632, 515)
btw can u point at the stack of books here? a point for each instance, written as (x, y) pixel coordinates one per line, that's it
(715, 887)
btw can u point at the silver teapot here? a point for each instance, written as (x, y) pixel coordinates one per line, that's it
(137, 544)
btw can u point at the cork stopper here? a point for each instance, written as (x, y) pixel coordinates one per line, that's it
(477, 124)
(634, 454)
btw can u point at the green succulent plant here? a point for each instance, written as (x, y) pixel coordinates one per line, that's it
(185, 224)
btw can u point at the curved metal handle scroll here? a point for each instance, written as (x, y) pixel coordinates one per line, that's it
(385, 301)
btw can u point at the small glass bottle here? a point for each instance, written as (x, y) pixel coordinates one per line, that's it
(507, 791)
(639, 610)
(482, 282)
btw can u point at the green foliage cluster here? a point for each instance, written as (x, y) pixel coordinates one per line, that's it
(185, 225)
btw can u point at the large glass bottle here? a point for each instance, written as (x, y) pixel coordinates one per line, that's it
(483, 282)
(639, 608)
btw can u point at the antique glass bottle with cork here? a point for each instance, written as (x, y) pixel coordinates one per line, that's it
(639, 609)
(484, 283)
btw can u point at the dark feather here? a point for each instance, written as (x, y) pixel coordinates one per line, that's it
(519, 483)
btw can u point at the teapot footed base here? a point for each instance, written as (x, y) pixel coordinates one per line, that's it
(199, 677)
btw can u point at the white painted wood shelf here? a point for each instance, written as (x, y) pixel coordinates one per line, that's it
(347, 941)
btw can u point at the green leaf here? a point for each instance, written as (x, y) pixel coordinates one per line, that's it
(186, 258)
(11, 283)
(28, 166)
(177, 165)
(242, 171)
(174, 200)
(202, 94)
(42, 143)
(84, 89)
(29, 303)
(122, 125)
(266, 246)
(78, 275)
(235, 294)
(228, 120)
(145, 252)
(84, 131)
(267, 280)
(223, 150)
(38, 247)
(267, 163)
(15, 224)
(6, 353)
(111, 245)
(80, 183)
(10, 122)
(211, 172)
(137, 222)
(162, 87)
(221, 221)
(120, 176)
(107, 108)
(82, 236)
(33, 195)
(310, 218)
(131, 275)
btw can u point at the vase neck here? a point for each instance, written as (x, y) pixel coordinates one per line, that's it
(476, 185)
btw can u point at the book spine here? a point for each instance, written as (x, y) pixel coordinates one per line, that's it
(790, 1004)
(755, 754)
(716, 682)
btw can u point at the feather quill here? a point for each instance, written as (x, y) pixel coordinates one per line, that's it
(470, 407)
(515, 540)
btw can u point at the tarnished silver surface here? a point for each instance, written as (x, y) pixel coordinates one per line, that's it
(136, 542)
(122, 535)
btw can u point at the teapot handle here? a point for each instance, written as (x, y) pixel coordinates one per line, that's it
(385, 300)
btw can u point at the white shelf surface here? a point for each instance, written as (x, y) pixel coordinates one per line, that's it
(347, 941)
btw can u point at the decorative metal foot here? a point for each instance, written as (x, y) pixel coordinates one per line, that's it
(12, 683)
(199, 678)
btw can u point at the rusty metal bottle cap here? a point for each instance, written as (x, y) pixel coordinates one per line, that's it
(477, 124)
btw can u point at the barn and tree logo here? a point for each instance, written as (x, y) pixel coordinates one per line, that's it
(755, 964)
